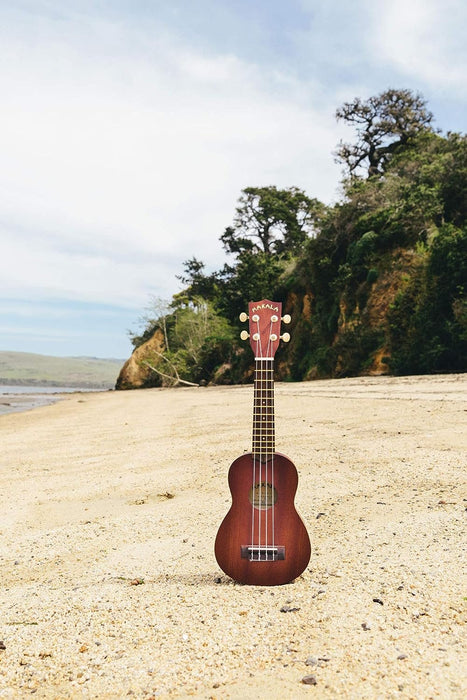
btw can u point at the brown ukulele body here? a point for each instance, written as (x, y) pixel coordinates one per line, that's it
(262, 540)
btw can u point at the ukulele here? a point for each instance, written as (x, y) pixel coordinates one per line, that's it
(262, 540)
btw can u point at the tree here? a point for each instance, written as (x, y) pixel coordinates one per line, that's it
(385, 123)
(254, 276)
(271, 221)
(196, 283)
(155, 316)
(197, 341)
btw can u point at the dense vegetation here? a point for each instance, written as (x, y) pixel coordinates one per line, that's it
(376, 282)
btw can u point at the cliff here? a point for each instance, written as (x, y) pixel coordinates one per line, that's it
(135, 373)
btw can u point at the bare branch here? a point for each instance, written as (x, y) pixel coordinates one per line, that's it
(176, 379)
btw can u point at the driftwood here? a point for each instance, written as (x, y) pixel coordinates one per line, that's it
(176, 380)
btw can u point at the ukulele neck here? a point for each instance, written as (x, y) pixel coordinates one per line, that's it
(263, 445)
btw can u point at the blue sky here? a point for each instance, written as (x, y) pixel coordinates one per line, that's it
(129, 129)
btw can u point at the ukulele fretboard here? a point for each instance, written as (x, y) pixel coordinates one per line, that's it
(263, 445)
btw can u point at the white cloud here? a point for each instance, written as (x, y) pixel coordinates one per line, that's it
(424, 40)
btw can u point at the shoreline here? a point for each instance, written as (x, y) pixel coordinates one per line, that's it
(110, 505)
(15, 398)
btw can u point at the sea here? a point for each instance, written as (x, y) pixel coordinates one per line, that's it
(23, 398)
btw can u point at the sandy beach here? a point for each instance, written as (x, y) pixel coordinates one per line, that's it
(110, 503)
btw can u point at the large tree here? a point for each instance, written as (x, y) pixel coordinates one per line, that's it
(270, 220)
(384, 123)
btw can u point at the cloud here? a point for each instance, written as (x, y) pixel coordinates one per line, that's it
(123, 154)
(422, 39)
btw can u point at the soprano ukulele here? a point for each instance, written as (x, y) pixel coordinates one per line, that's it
(262, 540)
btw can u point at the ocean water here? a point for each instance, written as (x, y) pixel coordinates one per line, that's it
(10, 389)
(23, 398)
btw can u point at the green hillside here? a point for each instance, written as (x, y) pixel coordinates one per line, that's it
(24, 368)
(376, 283)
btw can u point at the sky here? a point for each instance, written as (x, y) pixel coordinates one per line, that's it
(128, 129)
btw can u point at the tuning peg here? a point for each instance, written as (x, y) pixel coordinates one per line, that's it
(243, 317)
(286, 318)
(285, 337)
(244, 335)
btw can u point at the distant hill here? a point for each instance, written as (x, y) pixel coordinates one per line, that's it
(24, 368)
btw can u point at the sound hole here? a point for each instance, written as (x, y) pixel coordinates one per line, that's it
(263, 495)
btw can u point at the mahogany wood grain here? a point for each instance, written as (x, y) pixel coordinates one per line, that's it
(289, 530)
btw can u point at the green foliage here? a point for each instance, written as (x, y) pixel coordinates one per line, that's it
(269, 220)
(253, 276)
(353, 351)
(427, 322)
(197, 341)
(202, 340)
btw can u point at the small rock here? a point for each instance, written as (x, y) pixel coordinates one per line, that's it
(2, 646)
(288, 608)
(311, 661)
(401, 657)
(309, 680)
(366, 626)
(378, 600)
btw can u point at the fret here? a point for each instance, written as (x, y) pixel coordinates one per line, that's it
(263, 442)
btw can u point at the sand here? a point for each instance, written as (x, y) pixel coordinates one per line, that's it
(110, 503)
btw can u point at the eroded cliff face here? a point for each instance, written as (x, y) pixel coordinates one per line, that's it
(362, 309)
(135, 373)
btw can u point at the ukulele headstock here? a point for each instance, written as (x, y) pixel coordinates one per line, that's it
(265, 326)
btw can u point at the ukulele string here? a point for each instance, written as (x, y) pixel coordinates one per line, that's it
(263, 454)
(255, 438)
(259, 355)
(266, 420)
(271, 428)
(262, 429)
(256, 449)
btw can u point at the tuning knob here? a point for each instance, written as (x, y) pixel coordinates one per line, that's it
(286, 319)
(244, 335)
(243, 317)
(285, 337)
